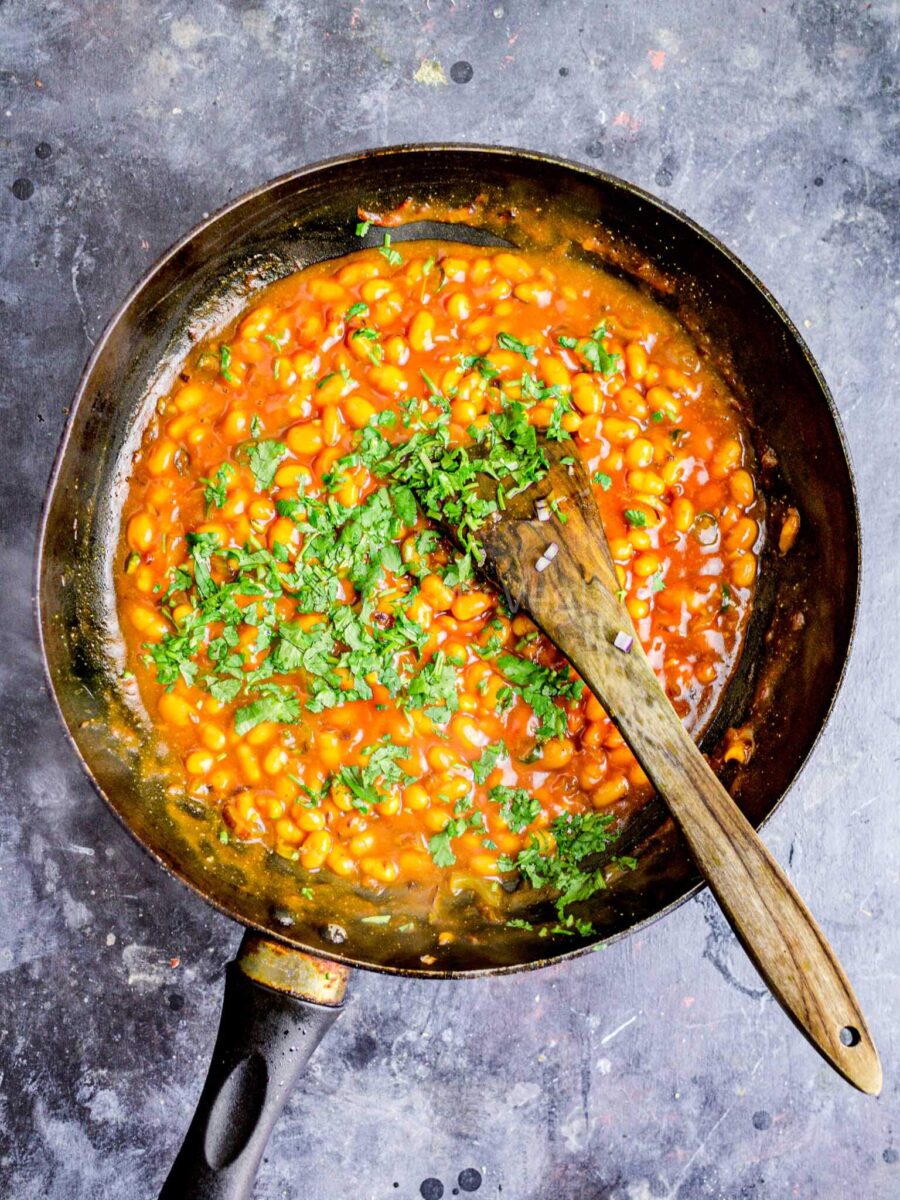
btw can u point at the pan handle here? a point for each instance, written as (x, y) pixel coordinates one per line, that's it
(278, 1005)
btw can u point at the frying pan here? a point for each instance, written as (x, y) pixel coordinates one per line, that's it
(286, 987)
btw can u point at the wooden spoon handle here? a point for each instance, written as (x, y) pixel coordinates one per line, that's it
(575, 604)
(763, 908)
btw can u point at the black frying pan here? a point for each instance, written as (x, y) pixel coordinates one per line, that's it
(281, 995)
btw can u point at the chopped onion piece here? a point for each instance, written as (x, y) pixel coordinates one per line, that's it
(543, 512)
(623, 641)
(547, 557)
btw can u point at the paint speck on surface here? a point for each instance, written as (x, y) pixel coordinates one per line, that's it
(431, 73)
(43, 150)
(657, 59)
(431, 1189)
(626, 121)
(469, 1180)
(22, 189)
(185, 33)
(890, 1156)
(604, 1066)
(110, 939)
(688, 1001)
(762, 1120)
(461, 72)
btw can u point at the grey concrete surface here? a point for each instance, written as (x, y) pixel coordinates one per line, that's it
(659, 1068)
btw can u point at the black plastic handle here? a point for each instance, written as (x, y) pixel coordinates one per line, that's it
(266, 1036)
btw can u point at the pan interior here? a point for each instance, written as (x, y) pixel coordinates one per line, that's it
(799, 637)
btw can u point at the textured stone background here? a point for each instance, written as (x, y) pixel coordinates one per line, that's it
(659, 1068)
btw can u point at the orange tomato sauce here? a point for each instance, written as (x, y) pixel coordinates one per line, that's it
(348, 765)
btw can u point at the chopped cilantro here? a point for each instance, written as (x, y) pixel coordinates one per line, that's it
(380, 768)
(362, 228)
(483, 766)
(439, 845)
(561, 406)
(359, 309)
(225, 363)
(264, 459)
(393, 256)
(506, 341)
(540, 687)
(434, 689)
(636, 518)
(215, 492)
(518, 807)
(445, 477)
(430, 384)
(605, 481)
(478, 362)
(596, 355)
(276, 704)
(577, 837)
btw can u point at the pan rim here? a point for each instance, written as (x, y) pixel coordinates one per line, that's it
(407, 148)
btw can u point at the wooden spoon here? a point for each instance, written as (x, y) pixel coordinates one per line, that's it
(573, 600)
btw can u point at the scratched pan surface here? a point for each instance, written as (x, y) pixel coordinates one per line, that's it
(799, 638)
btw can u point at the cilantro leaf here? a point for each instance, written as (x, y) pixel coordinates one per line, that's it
(433, 689)
(215, 492)
(577, 837)
(540, 687)
(635, 518)
(276, 704)
(518, 807)
(264, 459)
(485, 369)
(596, 355)
(483, 766)
(439, 846)
(506, 341)
(393, 256)
(225, 363)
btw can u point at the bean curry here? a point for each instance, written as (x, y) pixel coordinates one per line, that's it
(326, 669)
